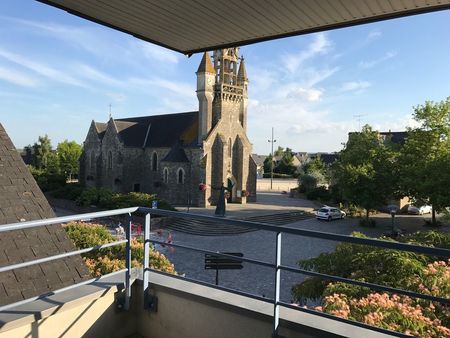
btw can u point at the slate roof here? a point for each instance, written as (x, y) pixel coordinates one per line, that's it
(206, 65)
(159, 130)
(176, 154)
(397, 137)
(259, 159)
(22, 200)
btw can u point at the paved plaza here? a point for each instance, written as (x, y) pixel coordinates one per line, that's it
(260, 245)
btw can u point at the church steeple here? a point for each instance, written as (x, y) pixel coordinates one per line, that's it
(242, 73)
(205, 94)
(206, 65)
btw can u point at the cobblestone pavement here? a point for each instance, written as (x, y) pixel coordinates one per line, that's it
(258, 245)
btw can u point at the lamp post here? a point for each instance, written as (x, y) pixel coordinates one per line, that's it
(272, 141)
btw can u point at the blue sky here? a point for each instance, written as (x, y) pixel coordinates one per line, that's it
(58, 72)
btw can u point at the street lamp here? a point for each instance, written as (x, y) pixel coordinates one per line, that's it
(272, 141)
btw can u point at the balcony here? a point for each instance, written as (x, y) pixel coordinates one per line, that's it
(143, 302)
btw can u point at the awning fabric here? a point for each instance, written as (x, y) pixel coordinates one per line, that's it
(191, 26)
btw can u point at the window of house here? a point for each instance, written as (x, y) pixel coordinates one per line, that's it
(154, 161)
(166, 175)
(110, 160)
(180, 176)
(137, 187)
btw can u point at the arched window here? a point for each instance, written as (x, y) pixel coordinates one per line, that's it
(155, 162)
(229, 147)
(110, 160)
(166, 175)
(92, 160)
(180, 176)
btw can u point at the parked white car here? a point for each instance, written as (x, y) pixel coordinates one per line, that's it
(424, 209)
(329, 213)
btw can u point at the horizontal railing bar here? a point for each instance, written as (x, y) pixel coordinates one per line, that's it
(222, 288)
(365, 284)
(307, 233)
(340, 319)
(65, 219)
(32, 299)
(59, 256)
(249, 260)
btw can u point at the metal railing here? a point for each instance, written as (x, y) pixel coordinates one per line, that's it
(277, 266)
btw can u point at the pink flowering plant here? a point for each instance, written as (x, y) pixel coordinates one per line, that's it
(103, 261)
(408, 271)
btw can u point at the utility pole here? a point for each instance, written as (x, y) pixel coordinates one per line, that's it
(272, 141)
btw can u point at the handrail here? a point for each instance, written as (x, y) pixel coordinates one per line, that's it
(65, 219)
(277, 266)
(307, 233)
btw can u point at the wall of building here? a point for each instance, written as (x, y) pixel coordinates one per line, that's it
(263, 184)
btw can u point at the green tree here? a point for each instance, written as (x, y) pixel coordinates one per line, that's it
(366, 170)
(268, 164)
(425, 157)
(315, 165)
(69, 153)
(279, 151)
(286, 165)
(42, 150)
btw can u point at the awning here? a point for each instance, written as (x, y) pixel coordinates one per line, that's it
(191, 26)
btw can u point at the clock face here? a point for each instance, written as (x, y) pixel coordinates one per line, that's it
(210, 81)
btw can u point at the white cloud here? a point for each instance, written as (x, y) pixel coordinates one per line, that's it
(17, 78)
(154, 52)
(374, 34)
(41, 69)
(320, 45)
(312, 76)
(355, 86)
(177, 87)
(96, 75)
(373, 63)
(308, 94)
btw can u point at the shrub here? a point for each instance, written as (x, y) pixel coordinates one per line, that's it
(277, 175)
(319, 193)
(367, 223)
(307, 182)
(133, 199)
(392, 312)
(95, 196)
(47, 181)
(70, 191)
(99, 262)
(405, 270)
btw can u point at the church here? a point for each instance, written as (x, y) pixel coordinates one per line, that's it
(184, 157)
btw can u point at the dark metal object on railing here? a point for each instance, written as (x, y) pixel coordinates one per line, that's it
(150, 302)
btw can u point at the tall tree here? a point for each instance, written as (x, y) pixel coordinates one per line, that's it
(42, 150)
(69, 153)
(365, 170)
(425, 158)
(286, 164)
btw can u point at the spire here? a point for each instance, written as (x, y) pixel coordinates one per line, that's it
(242, 73)
(206, 65)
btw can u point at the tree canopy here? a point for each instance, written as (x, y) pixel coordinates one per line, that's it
(366, 170)
(425, 157)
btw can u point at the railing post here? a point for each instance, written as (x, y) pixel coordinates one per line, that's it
(146, 262)
(276, 299)
(128, 263)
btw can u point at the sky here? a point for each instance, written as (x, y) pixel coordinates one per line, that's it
(59, 72)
